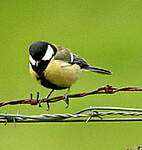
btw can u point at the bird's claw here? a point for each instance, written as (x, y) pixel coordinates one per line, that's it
(39, 103)
(48, 106)
(66, 99)
(38, 100)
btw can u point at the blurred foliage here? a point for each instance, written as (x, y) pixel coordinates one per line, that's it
(107, 34)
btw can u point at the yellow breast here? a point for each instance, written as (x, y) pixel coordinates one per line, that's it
(62, 74)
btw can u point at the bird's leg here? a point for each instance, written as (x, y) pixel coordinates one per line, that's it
(39, 101)
(66, 98)
(48, 107)
(50, 93)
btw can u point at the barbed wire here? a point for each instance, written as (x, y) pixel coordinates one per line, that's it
(112, 113)
(103, 90)
(75, 117)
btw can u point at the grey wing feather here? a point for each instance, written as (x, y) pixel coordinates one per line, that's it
(80, 61)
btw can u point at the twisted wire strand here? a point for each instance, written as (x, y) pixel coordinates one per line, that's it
(80, 114)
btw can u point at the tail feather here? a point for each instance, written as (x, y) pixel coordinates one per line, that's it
(98, 70)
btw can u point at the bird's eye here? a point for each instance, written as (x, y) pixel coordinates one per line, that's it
(49, 53)
(32, 61)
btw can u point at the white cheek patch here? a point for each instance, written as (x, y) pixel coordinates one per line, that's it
(49, 53)
(71, 57)
(32, 61)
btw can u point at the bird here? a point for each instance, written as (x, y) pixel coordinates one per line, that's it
(56, 67)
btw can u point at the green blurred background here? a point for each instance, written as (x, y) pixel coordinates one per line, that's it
(107, 34)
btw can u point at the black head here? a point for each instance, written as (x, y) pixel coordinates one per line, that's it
(40, 55)
(42, 50)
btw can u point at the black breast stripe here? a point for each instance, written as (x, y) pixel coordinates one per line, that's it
(41, 66)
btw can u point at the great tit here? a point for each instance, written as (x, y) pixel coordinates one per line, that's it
(56, 67)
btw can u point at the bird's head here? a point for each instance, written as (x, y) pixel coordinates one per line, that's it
(41, 54)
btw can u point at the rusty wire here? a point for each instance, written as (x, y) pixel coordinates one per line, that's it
(103, 90)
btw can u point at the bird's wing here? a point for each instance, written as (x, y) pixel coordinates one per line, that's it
(64, 54)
